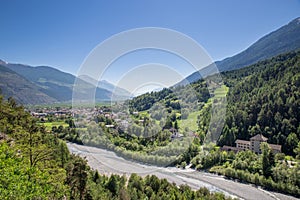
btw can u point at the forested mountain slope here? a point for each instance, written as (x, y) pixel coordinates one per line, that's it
(265, 98)
(24, 91)
(55, 83)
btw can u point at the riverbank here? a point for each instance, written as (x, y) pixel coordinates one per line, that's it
(107, 162)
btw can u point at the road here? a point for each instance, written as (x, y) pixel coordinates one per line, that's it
(107, 162)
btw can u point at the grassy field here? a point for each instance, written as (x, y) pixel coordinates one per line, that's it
(221, 92)
(49, 125)
(191, 121)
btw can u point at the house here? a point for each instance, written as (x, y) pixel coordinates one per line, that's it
(253, 145)
(229, 148)
(242, 144)
(255, 142)
(275, 148)
(175, 134)
(35, 114)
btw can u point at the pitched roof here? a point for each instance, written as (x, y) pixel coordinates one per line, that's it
(259, 137)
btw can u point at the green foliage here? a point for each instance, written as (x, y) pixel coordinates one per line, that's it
(297, 151)
(77, 177)
(35, 164)
(20, 181)
(146, 101)
(153, 188)
(267, 159)
(246, 160)
(265, 98)
(291, 143)
(28, 166)
(273, 173)
(214, 157)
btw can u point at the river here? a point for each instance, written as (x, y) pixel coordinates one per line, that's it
(107, 162)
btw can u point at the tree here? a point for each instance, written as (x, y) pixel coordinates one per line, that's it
(227, 137)
(34, 143)
(153, 182)
(168, 124)
(176, 125)
(297, 151)
(173, 117)
(64, 153)
(96, 177)
(71, 123)
(267, 159)
(77, 177)
(291, 143)
(113, 185)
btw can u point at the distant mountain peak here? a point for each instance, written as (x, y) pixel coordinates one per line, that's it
(294, 22)
(2, 62)
(282, 40)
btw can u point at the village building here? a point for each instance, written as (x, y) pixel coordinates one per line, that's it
(253, 145)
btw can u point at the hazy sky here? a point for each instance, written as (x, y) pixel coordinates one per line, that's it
(61, 33)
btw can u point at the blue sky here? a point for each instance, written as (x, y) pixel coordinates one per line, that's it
(62, 33)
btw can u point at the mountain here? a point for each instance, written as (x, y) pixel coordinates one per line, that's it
(282, 40)
(23, 91)
(263, 98)
(115, 89)
(2, 62)
(120, 92)
(54, 84)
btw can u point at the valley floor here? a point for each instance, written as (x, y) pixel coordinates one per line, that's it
(107, 162)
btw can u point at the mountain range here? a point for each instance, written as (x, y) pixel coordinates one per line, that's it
(43, 85)
(282, 40)
(23, 91)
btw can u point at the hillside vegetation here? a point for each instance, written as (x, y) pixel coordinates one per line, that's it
(24, 91)
(262, 99)
(265, 98)
(44, 85)
(35, 164)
